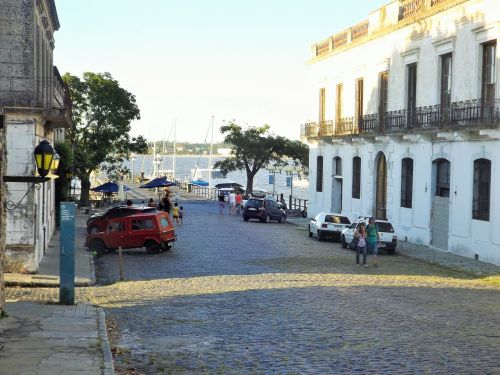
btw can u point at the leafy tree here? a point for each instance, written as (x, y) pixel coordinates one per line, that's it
(256, 147)
(102, 113)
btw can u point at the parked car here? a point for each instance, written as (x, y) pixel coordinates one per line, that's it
(263, 210)
(388, 238)
(98, 222)
(152, 230)
(326, 224)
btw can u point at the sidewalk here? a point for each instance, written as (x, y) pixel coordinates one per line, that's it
(52, 340)
(430, 255)
(48, 272)
(49, 339)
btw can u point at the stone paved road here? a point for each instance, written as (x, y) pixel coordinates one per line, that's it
(251, 298)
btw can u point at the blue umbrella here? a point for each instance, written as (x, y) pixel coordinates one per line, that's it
(157, 182)
(109, 187)
(199, 183)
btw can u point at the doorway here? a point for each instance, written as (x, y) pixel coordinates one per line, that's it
(440, 213)
(381, 188)
(336, 206)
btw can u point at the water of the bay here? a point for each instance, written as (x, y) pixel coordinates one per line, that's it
(185, 166)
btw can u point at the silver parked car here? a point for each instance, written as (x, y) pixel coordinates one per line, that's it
(326, 224)
(388, 238)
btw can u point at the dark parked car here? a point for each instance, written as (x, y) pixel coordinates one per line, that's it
(263, 210)
(98, 222)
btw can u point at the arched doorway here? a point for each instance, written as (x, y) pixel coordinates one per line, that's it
(381, 188)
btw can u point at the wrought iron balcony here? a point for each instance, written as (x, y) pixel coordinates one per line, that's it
(456, 116)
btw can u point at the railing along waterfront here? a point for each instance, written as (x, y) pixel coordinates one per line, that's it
(456, 115)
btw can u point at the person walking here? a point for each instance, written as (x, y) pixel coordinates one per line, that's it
(166, 204)
(222, 203)
(232, 203)
(238, 199)
(181, 213)
(372, 239)
(360, 235)
(175, 213)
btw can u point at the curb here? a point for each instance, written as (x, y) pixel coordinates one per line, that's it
(42, 284)
(108, 367)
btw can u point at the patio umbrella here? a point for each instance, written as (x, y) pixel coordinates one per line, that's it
(227, 185)
(109, 187)
(157, 182)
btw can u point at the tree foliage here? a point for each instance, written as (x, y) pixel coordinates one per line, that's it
(255, 147)
(102, 114)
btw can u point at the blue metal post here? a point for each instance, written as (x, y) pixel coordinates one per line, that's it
(67, 254)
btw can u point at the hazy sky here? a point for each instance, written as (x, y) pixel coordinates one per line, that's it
(191, 59)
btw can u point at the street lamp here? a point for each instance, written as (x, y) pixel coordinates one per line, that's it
(273, 170)
(44, 155)
(290, 172)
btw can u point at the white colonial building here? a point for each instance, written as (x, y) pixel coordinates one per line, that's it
(408, 124)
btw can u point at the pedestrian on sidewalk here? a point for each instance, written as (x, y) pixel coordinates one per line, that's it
(372, 239)
(181, 213)
(360, 235)
(222, 203)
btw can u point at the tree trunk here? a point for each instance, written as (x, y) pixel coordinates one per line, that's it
(84, 192)
(249, 183)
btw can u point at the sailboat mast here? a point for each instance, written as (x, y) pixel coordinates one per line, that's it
(155, 167)
(210, 155)
(173, 155)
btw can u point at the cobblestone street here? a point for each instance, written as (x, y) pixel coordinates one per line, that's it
(252, 298)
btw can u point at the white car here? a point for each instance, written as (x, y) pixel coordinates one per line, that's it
(326, 224)
(388, 238)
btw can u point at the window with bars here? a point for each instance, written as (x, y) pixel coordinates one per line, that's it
(407, 182)
(442, 178)
(319, 174)
(356, 177)
(481, 190)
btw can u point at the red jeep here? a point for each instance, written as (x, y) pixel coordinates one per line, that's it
(154, 231)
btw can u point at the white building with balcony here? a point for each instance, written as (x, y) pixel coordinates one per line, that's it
(407, 125)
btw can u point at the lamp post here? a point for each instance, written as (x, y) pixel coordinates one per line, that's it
(272, 172)
(290, 172)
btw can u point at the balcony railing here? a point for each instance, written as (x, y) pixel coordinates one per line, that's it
(410, 8)
(457, 115)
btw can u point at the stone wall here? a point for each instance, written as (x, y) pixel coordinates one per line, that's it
(2, 213)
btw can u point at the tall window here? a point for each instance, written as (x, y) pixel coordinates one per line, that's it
(446, 76)
(411, 93)
(442, 178)
(406, 182)
(489, 72)
(359, 102)
(319, 174)
(356, 177)
(338, 106)
(382, 101)
(481, 190)
(322, 105)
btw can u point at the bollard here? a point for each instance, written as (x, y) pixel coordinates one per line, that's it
(120, 263)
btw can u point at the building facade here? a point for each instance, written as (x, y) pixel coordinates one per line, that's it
(34, 104)
(405, 125)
